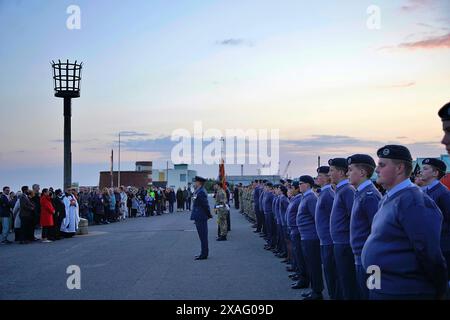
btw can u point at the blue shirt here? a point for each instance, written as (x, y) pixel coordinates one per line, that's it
(322, 215)
(405, 244)
(441, 196)
(282, 207)
(291, 212)
(267, 202)
(367, 198)
(306, 216)
(256, 195)
(275, 211)
(261, 200)
(341, 213)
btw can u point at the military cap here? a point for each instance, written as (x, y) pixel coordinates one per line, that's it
(199, 179)
(269, 184)
(438, 164)
(283, 189)
(338, 162)
(282, 181)
(361, 159)
(306, 179)
(323, 169)
(295, 184)
(444, 112)
(289, 180)
(395, 152)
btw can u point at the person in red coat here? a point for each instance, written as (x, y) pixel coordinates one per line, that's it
(47, 211)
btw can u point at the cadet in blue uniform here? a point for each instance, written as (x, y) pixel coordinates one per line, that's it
(444, 114)
(405, 237)
(261, 208)
(259, 218)
(297, 257)
(433, 170)
(322, 217)
(340, 229)
(284, 235)
(303, 277)
(200, 214)
(268, 215)
(279, 243)
(309, 240)
(367, 197)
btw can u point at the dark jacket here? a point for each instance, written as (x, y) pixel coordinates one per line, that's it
(200, 210)
(5, 207)
(26, 207)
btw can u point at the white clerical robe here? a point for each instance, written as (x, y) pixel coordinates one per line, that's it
(70, 222)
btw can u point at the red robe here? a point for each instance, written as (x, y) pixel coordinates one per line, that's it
(47, 211)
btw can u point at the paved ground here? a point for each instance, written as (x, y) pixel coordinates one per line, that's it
(147, 258)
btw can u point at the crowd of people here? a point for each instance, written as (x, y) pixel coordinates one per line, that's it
(58, 213)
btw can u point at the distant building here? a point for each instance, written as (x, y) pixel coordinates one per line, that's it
(246, 180)
(178, 177)
(140, 178)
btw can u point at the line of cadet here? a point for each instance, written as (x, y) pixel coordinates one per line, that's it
(340, 230)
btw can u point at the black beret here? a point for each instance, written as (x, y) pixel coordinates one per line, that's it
(269, 184)
(264, 181)
(282, 181)
(295, 184)
(361, 159)
(199, 179)
(289, 180)
(444, 112)
(283, 189)
(338, 162)
(323, 169)
(307, 179)
(438, 164)
(396, 152)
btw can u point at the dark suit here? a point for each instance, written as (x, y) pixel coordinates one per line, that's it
(200, 214)
(27, 211)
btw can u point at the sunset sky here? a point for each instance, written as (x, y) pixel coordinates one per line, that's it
(312, 69)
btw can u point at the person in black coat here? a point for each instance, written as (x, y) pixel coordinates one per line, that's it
(236, 197)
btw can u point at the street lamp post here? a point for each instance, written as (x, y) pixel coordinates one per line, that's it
(118, 173)
(66, 79)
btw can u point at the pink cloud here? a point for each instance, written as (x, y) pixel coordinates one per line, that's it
(436, 42)
(415, 4)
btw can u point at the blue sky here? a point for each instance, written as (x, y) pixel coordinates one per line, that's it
(313, 70)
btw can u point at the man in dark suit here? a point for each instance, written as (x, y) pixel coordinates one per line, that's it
(200, 214)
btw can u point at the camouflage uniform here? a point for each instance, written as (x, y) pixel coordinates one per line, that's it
(241, 200)
(221, 211)
(251, 204)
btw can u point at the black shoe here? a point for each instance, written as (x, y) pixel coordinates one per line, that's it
(201, 257)
(313, 296)
(290, 269)
(255, 231)
(299, 285)
(221, 239)
(6, 242)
